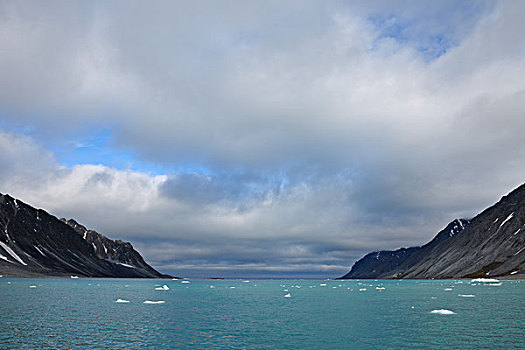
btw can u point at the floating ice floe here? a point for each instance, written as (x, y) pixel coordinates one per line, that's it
(164, 287)
(154, 301)
(485, 280)
(466, 295)
(122, 301)
(443, 312)
(288, 295)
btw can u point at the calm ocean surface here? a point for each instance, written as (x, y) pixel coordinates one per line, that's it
(83, 313)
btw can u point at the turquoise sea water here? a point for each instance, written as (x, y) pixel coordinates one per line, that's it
(83, 313)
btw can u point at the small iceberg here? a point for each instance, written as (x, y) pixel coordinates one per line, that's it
(466, 295)
(121, 301)
(442, 312)
(288, 295)
(154, 302)
(484, 280)
(164, 287)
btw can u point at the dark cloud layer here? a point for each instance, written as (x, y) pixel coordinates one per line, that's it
(292, 137)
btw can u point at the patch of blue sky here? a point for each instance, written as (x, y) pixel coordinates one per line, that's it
(430, 46)
(98, 148)
(433, 31)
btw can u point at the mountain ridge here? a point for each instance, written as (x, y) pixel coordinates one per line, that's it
(491, 244)
(35, 243)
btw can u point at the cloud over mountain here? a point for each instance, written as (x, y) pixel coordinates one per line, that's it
(283, 135)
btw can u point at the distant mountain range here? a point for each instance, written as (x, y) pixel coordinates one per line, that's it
(492, 244)
(35, 243)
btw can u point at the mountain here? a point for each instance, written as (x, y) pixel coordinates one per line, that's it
(35, 243)
(489, 245)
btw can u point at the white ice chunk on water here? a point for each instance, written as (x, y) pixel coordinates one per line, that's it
(154, 301)
(12, 253)
(164, 287)
(443, 312)
(485, 280)
(122, 301)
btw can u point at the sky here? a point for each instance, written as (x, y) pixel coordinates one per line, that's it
(262, 138)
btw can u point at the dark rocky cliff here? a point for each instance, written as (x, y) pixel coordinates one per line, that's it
(491, 244)
(35, 243)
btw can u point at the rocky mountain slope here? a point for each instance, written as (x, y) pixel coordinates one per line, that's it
(491, 244)
(35, 243)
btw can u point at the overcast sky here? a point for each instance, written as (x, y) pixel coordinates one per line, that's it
(275, 138)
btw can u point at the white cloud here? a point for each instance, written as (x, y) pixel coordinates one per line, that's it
(323, 125)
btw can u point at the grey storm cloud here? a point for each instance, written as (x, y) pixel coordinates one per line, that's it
(311, 132)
